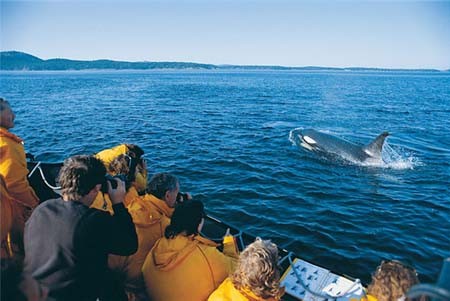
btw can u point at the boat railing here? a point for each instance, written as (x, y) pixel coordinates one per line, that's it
(56, 189)
(287, 261)
(439, 291)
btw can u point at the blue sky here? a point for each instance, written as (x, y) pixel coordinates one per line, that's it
(386, 34)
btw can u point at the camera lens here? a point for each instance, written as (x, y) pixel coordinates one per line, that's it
(112, 180)
(182, 197)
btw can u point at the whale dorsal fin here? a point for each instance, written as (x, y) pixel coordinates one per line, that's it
(374, 148)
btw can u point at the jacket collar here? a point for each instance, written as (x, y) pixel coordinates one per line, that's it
(248, 294)
(252, 297)
(160, 205)
(5, 133)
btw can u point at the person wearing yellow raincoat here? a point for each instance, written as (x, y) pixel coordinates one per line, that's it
(125, 159)
(256, 278)
(151, 215)
(6, 221)
(13, 169)
(183, 265)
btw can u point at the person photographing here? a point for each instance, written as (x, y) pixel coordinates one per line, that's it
(67, 243)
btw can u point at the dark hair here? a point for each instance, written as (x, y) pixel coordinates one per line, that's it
(79, 175)
(120, 165)
(186, 218)
(11, 278)
(3, 104)
(134, 151)
(160, 183)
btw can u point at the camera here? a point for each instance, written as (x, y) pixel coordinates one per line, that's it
(111, 179)
(182, 196)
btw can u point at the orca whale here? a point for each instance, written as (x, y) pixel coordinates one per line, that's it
(328, 144)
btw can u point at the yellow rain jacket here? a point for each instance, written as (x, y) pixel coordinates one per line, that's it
(151, 216)
(227, 292)
(13, 168)
(7, 220)
(187, 268)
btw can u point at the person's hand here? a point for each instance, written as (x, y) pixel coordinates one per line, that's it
(183, 196)
(228, 239)
(117, 195)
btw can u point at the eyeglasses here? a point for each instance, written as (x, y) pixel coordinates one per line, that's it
(129, 159)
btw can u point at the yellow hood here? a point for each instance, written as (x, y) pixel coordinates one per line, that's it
(169, 253)
(192, 262)
(159, 205)
(107, 155)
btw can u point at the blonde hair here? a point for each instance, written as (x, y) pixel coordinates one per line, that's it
(392, 280)
(258, 271)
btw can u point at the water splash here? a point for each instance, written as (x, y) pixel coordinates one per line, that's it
(277, 124)
(292, 136)
(391, 158)
(399, 159)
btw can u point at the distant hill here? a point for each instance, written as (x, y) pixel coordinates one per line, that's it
(15, 60)
(317, 68)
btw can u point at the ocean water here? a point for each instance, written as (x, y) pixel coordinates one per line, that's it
(226, 135)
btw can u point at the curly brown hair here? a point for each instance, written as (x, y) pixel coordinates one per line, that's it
(127, 163)
(79, 175)
(258, 270)
(120, 165)
(392, 280)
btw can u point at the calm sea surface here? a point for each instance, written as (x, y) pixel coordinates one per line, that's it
(225, 134)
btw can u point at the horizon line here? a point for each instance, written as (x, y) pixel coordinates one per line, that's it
(224, 65)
